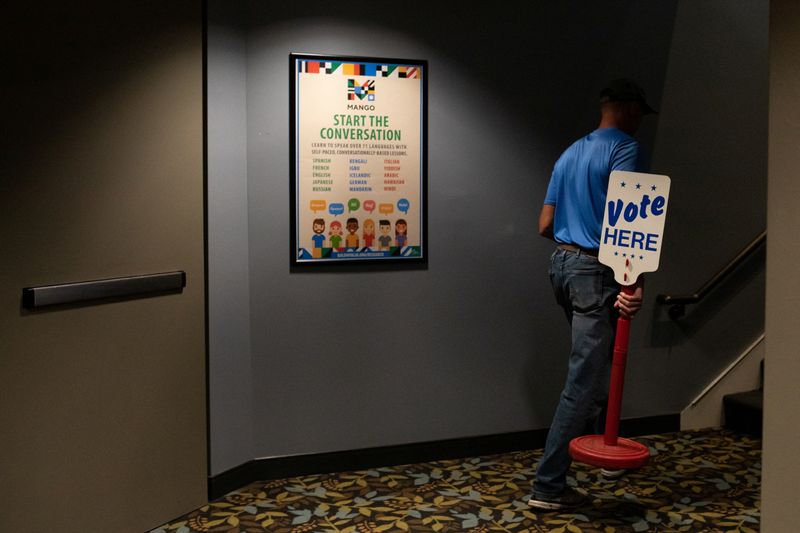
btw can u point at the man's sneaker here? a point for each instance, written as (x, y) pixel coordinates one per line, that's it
(566, 500)
(612, 474)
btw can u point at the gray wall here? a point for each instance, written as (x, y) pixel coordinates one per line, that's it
(477, 345)
(230, 378)
(782, 408)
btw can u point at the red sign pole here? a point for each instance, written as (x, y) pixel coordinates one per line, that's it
(609, 450)
(617, 376)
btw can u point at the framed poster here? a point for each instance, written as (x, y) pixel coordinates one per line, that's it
(358, 159)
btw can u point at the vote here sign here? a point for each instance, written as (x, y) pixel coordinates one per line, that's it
(633, 224)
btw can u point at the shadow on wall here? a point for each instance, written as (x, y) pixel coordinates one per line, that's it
(668, 332)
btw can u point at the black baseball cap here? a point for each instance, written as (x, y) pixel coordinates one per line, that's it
(624, 90)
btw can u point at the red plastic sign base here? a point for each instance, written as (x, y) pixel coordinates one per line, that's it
(592, 450)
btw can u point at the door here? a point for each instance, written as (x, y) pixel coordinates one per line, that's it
(102, 405)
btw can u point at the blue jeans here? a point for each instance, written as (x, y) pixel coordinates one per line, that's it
(586, 290)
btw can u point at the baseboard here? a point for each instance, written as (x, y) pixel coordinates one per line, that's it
(321, 463)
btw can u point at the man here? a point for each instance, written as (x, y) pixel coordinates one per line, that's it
(318, 238)
(385, 239)
(352, 237)
(572, 216)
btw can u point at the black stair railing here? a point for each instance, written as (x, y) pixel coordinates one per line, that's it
(678, 303)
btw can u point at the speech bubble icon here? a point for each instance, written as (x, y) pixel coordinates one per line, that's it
(318, 205)
(369, 205)
(386, 209)
(353, 204)
(403, 205)
(336, 209)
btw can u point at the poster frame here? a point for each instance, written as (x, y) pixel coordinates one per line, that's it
(294, 177)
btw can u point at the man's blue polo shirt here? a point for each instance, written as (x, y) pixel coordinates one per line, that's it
(579, 184)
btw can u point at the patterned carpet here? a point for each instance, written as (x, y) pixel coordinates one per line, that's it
(696, 481)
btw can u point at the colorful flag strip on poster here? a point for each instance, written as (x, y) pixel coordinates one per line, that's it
(408, 72)
(386, 70)
(319, 67)
(359, 69)
(309, 67)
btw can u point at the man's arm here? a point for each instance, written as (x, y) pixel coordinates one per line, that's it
(546, 221)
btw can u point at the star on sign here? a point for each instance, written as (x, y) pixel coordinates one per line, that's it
(653, 188)
(638, 186)
(622, 184)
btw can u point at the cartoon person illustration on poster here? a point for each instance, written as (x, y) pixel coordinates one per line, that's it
(318, 238)
(385, 239)
(401, 232)
(336, 235)
(352, 236)
(369, 232)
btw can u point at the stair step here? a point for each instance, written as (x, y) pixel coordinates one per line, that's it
(744, 412)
